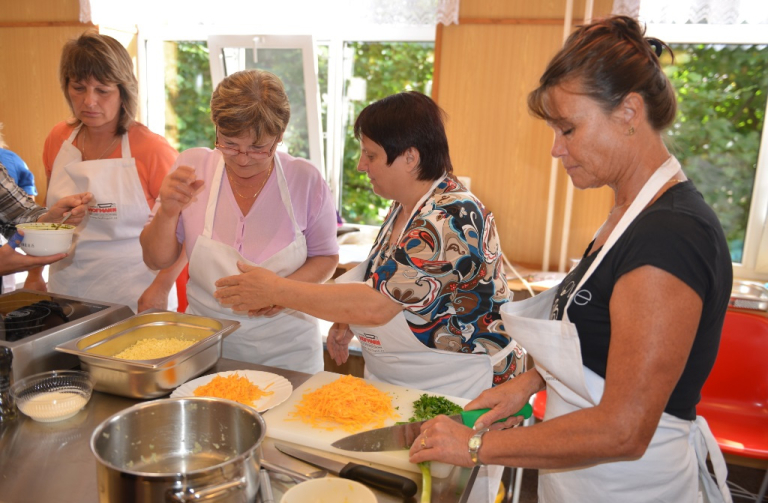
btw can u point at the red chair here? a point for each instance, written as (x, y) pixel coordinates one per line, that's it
(540, 405)
(734, 400)
(181, 288)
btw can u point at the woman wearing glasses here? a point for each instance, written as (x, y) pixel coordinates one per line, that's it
(103, 150)
(245, 202)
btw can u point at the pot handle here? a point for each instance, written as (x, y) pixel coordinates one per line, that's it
(207, 493)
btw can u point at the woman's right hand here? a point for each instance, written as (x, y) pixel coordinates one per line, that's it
(339, 337)
(178, 190)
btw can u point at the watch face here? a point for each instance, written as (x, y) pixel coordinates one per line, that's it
(475, 441)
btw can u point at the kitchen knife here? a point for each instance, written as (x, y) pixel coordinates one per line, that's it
(379, 479)
(401, 436)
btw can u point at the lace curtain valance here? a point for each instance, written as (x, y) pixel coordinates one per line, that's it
(282, 14)
(727, 12)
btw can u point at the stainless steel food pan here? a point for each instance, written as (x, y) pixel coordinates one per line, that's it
(749, 295)
(150, 378)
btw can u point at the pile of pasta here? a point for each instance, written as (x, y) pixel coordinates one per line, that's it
(233, 387)
(348, 402)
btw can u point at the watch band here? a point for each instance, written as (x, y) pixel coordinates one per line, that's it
(475, 442)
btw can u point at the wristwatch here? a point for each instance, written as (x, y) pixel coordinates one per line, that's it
(474, 446)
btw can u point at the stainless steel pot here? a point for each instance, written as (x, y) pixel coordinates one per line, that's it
(178, 450)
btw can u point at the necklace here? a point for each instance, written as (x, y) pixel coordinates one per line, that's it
(233, 183)
(102, 154)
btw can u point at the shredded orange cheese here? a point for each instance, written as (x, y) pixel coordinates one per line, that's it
(233, 387)
(348, 402)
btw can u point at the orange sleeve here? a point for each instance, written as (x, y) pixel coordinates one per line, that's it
(154, 159)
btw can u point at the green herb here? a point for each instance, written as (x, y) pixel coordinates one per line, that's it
(427, 407)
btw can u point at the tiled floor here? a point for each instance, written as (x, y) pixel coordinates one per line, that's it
(747, 478)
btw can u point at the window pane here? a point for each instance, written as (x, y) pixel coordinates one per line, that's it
(378, 70)
(722, 102)
(286, 64)
(188, 95)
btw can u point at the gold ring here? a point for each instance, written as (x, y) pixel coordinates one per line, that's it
(423, 442)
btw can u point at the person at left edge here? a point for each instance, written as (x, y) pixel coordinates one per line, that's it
(17, 168)
(103, 150)
(246, 202)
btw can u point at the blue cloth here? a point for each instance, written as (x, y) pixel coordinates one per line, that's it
(19, 171)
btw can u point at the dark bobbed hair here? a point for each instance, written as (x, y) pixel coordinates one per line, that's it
(105, 59)
(609, 59)
(405, 120)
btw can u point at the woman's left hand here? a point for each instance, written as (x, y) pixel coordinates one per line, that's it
(249, 292)
(153, 297)
(442, 439)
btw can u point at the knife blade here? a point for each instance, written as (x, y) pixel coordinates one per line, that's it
(401, 436)
(368, 475)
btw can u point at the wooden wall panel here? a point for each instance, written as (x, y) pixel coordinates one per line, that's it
(487, 66)
(31, 101)
(493, 139)
(50, 11)
(32, 34)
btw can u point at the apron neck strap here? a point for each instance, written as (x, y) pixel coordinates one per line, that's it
(655, 183)
(213, 198)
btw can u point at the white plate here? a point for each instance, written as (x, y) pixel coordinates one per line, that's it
(280, 386)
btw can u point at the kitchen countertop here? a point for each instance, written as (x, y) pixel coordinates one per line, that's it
(53, 462)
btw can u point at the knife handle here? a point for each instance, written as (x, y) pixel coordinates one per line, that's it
(468, 417)
(379, 479)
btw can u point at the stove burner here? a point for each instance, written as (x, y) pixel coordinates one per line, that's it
(33, 319)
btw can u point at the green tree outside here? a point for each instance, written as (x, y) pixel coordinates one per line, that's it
(721, 111)
(388, 68)
(188, 95)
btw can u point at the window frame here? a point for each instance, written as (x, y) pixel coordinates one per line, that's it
(754, 264)
(304, 43)
(152, 90)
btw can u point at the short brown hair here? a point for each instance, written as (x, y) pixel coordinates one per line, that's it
(610, 58)
(250, 101)
(404, 120)
(106, 60)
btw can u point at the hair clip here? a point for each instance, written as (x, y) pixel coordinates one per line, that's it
(657, 47)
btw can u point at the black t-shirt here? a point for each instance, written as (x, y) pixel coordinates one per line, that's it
(681, 235)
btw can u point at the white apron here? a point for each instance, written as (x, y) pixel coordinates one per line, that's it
(107, 262)
(394, 355)
(290, 339)
(673, 469)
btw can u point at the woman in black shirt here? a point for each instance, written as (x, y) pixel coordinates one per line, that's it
(624, 344)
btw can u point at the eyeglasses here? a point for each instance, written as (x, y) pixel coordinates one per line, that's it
(228, 150)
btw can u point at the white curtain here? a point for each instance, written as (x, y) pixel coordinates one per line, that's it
(695, 11)
(282, 14)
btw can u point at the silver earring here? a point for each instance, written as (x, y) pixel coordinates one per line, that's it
(631, 130)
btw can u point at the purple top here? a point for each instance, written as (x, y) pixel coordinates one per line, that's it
(267, 228)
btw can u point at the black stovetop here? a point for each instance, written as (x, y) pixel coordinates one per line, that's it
(25, 313)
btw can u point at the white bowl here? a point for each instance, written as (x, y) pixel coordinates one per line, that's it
(329, 490)
(53, 396)
(41, 239)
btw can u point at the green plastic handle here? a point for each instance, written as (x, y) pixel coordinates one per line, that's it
(469, 417)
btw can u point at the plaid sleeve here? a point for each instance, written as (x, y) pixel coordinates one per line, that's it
(15, 206)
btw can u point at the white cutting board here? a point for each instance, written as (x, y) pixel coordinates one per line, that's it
(302, 434)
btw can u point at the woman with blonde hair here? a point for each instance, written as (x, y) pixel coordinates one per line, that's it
(245, 204)
(102, 149)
